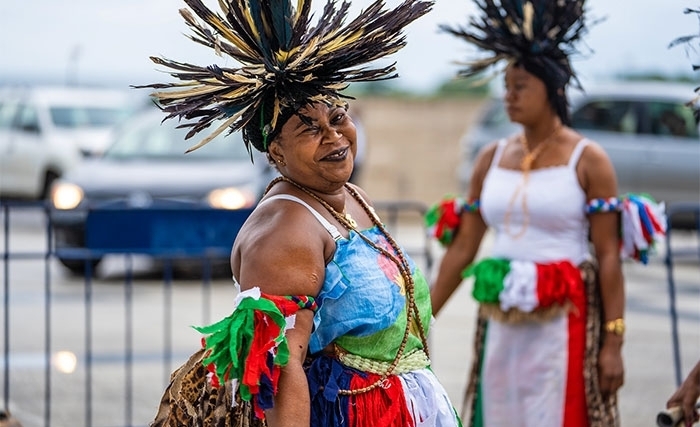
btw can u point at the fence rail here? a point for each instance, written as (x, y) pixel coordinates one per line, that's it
(98, 349)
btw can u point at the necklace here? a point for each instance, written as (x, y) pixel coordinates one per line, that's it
(397, 258)
(526, 165)
(350, 219)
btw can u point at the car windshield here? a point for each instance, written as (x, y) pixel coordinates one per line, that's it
(149, 139)
(71, 117)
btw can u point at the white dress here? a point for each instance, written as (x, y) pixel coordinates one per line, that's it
(532, 371)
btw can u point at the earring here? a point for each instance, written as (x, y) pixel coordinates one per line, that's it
(281, 162)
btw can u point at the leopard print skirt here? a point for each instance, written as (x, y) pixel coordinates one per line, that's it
(602, 411)
(191, 401)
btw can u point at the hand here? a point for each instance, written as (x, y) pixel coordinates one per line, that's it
(687, 395)
(610, 367)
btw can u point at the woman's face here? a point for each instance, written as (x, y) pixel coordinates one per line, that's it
(318, 148)
(526, 96)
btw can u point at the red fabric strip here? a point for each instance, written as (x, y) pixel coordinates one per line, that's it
(575, 407)
(383, 406)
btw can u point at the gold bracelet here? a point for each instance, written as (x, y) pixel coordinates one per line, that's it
(616, 326)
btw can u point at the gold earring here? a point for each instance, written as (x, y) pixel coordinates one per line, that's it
(281, 162)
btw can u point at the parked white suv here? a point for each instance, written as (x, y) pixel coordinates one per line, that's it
(45, 131)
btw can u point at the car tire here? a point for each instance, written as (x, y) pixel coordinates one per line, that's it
(49, 178)
(78, 266)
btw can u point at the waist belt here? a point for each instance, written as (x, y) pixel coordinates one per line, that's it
(514, 291)
(412, 361)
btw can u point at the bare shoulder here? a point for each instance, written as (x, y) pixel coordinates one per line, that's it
(282, 249)
(484, 158)
(482, 163)
(596, 172)
(594, 153)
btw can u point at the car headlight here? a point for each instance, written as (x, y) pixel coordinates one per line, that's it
(65, 195)
(230, 198)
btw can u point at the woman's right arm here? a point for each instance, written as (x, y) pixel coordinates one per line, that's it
(465, 244)
(283, 252)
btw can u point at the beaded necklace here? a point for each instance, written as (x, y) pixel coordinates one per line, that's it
(397, 258)
(526, 165)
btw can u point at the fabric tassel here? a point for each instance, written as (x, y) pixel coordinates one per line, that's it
(326, 377)
(643, 226)
(442, 219)
(383, 406)
(250, 346)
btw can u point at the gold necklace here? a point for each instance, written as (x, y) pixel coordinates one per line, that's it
(398, 258)
(526, 165)
(350, 219)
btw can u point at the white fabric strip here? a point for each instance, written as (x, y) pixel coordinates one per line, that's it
(427, 400)
(525, 373)
(520, 287)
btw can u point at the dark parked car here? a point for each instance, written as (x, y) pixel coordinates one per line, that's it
(145, 168)
(646, 128)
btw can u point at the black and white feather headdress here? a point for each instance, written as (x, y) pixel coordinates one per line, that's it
(286, 62)
(540, 35)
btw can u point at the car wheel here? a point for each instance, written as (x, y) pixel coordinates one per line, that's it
(77, 266)
(50, 177)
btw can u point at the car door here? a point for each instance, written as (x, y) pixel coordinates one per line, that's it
(24, 154)
(671, 171)
(7, 113)
(613, 123)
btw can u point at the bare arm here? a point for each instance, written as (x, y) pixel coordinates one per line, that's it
(282, 251)
(599, 181)
(466, 242)
(687, 395)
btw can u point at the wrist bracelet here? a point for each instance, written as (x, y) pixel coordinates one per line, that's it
(616, 326)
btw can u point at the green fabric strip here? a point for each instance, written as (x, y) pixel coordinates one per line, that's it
(230, 339)
(488, 278)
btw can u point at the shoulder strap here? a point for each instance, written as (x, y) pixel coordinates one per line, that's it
(576, 154)
(500, 148)
(332, 229)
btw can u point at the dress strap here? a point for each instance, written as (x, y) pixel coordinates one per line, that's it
(500, 148)
(576, 154)
(332, 229)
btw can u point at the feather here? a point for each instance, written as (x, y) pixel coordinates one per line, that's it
(283, 58)
(531, 30)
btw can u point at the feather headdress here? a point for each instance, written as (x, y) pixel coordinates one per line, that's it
(285, 62)
(540, 35)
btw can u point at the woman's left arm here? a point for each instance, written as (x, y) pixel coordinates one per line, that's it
(599, 181)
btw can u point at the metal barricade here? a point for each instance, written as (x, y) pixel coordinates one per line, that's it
(689, 214)
(117, 380)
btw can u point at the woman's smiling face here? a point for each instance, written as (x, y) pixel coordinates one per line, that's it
(316, 147)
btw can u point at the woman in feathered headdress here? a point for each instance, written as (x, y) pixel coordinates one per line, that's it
(330, 326)
(550, 324)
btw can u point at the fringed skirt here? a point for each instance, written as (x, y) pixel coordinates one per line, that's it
(413, 398)
(555, 382)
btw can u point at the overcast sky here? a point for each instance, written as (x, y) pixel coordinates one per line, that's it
(95, 41)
